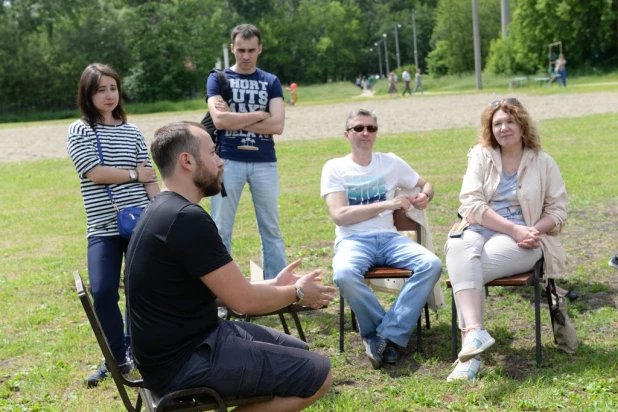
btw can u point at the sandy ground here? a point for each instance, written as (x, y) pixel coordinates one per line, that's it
(417, 113)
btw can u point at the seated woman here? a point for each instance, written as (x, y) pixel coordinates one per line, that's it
(514, 200)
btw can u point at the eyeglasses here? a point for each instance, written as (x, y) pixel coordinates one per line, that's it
(509, 100)
(360, 127)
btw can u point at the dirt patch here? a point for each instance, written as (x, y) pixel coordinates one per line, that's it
(416, 113)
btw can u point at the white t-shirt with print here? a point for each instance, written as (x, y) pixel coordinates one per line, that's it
(365, 185)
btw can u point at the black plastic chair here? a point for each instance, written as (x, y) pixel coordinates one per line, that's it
(196, 399)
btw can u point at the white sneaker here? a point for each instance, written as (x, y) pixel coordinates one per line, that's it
(475, 343)
(467, 371)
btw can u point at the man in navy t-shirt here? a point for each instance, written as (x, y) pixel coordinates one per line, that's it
(245, 125)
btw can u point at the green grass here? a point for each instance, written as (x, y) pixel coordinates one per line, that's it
(47, 346)
(338, 92)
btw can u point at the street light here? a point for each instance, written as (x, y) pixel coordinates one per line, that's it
(386, 53)
(414, 33)
(379, 57)
(397, 25)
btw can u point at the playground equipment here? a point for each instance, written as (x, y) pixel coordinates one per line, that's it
(551, 64)
(293, 95)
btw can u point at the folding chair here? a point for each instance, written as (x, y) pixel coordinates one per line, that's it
(195, 399)
(257, 275)
(403, 224)
(292, 310)
(531, 278)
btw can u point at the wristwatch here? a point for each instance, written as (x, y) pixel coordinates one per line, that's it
(133, 175)
(299, 294)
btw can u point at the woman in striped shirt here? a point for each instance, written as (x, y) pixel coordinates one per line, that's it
(127, 170)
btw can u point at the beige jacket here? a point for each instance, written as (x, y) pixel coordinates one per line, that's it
(540, 191)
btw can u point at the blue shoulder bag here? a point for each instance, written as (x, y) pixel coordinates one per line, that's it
(127, 217)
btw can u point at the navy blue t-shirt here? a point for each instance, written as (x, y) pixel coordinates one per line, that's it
(249, 93)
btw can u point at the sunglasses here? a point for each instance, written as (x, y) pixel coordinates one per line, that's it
(509, 100)
(360, 127)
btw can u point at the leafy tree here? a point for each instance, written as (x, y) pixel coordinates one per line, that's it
(587, 29)
(453, 37)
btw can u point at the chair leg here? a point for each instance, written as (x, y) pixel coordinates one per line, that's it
(551, 287)
(284, 324)
(454, 330)
(341, 321)
(299, 326)
(419, 335)
(427, 322)
(537, 318)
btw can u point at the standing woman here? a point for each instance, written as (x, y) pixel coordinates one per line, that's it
(514, 200)
(126, 170)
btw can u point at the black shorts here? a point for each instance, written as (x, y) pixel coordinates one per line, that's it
(240, 358)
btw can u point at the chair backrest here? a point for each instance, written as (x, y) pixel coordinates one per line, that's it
(119, 379)
(404, 224)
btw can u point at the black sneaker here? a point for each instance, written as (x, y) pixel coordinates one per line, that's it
(103, 373)
(374, 348)
(390, 355)
(613, 262)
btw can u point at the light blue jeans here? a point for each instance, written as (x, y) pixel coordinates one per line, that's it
(354, 255)
(263, 182)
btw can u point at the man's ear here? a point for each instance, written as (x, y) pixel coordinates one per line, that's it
(185, 161)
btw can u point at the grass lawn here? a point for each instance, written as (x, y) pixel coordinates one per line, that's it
(47, 346)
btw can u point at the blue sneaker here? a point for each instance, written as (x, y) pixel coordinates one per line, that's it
(613, 262)
(374, 348)
(103, 373)
(475, 343)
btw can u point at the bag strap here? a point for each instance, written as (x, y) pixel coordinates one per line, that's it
(224, 85)
(109, 192)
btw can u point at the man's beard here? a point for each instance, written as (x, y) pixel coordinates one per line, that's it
(209, 185)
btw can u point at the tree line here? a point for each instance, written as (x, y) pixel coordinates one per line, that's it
(164, 49)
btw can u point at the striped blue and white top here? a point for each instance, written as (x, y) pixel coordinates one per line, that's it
(123, 147)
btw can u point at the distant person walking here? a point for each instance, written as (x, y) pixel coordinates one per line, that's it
(406, 78)
(418, 82)
(392, 83)
(561, 70)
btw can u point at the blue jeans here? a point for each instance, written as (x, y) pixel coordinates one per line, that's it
(104, 265)
(354, 255)
(263, 182)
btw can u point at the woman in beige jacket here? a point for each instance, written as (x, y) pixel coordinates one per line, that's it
(514, 205)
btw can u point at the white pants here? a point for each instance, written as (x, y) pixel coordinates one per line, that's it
(474, 260)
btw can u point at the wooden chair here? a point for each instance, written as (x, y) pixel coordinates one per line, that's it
(196, 399)
(531, 278)
(402, 223)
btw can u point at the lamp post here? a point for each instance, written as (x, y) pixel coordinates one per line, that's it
(379, 57)
(386, 53)
(397, 25)
(414, 33)
(477, 43)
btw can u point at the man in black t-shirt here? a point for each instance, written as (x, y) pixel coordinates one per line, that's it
(177, 266)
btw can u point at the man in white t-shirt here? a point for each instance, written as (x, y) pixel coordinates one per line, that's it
(359, 190)
(406, 78)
